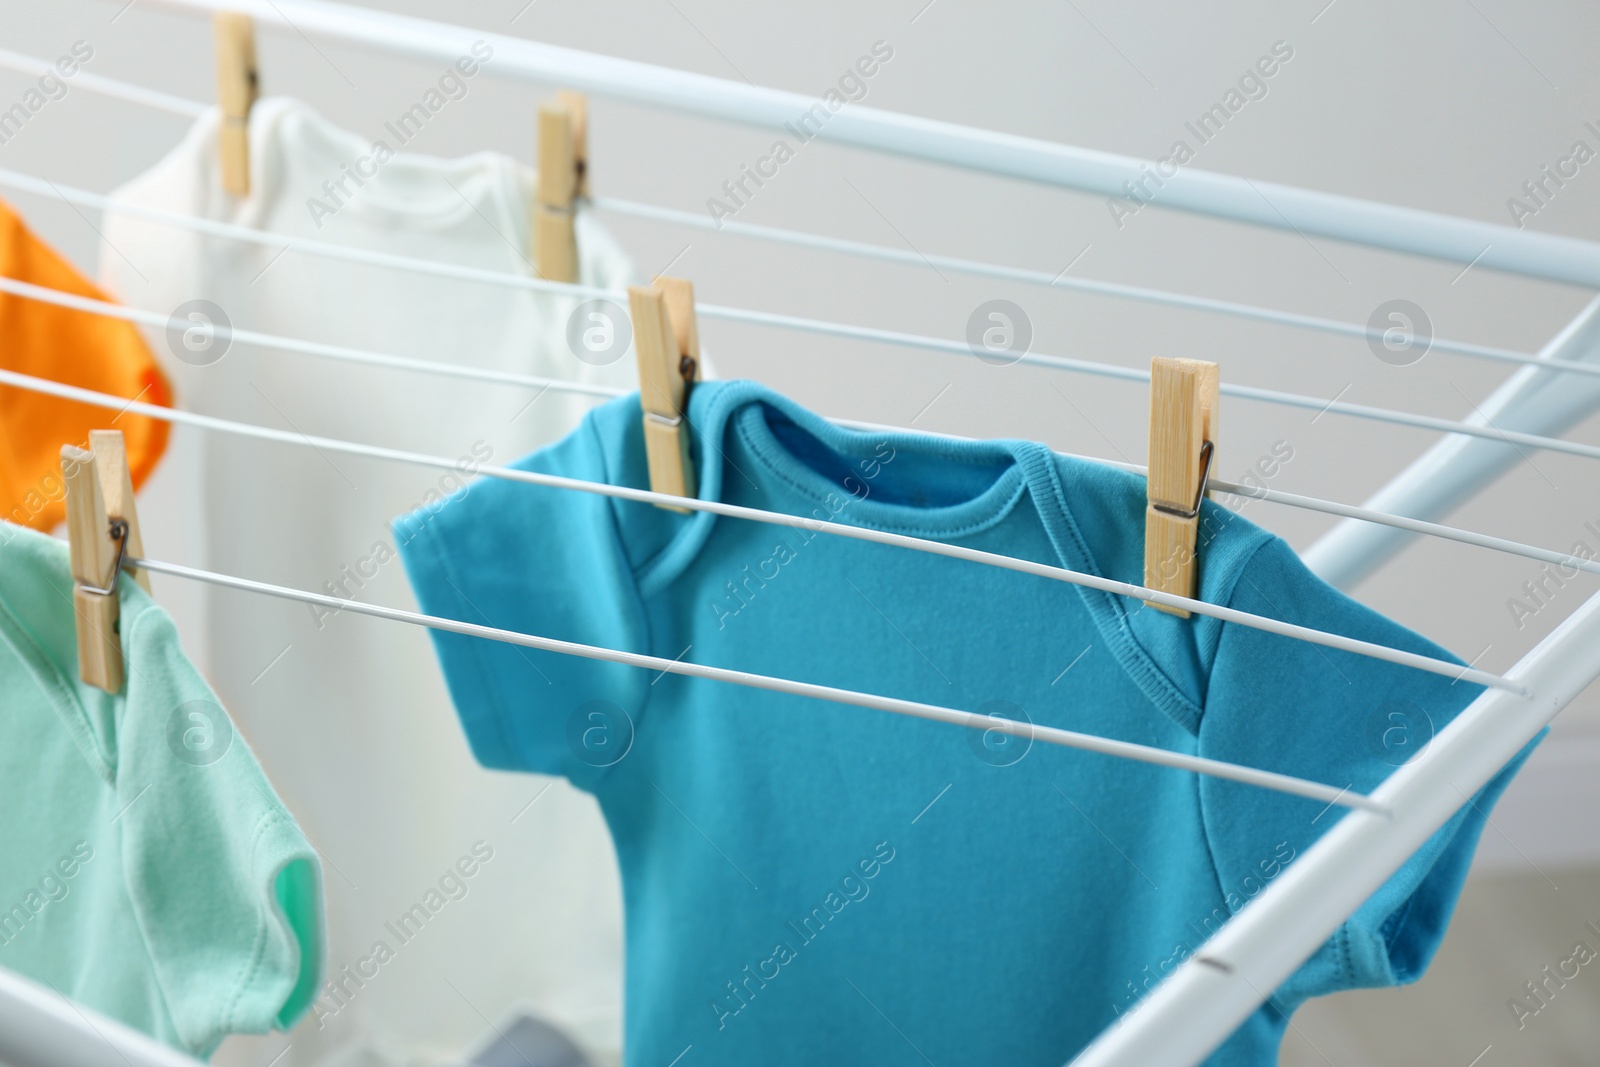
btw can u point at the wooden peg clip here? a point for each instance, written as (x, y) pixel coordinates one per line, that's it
(563, 180)
(666, 340)
(1184, 401)
(103, 530)
(233, 39)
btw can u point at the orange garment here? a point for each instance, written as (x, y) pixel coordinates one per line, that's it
(75, 347)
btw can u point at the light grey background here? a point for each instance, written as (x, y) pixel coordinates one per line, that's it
(1448, 105)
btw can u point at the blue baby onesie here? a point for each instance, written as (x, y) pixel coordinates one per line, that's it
(811, 883)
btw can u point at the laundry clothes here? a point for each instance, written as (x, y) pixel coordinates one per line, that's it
(149, 871)
(350, 714)
(64, 345)
(791, 866)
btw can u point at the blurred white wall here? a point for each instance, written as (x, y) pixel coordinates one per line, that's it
(1438, 104)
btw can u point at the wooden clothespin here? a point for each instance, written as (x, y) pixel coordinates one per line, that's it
(563, 179)
(1184, 401)
(233, 39)
(666, 340)
(103, 530)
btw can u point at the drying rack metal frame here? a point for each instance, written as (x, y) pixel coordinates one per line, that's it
(1236, 970)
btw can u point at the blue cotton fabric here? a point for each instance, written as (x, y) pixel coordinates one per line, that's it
(808, 882)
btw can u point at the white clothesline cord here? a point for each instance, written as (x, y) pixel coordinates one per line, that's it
(1142, 294)
(309, 245)
(1271, 396)
(328, 250)
(1403, 522)
(30, 291)
(735, 511)
(1309, 503)
(1052, 735)
(94, 83)
(87, 304)
(1134, 374)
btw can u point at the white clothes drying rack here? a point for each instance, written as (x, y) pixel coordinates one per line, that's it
(1238, 968)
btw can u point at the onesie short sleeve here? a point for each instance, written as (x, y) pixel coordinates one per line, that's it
(222, 882)
(536, 560)
(64, 345)
(1344, 719)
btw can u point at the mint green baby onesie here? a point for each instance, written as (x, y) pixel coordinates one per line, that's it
(147, 869)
